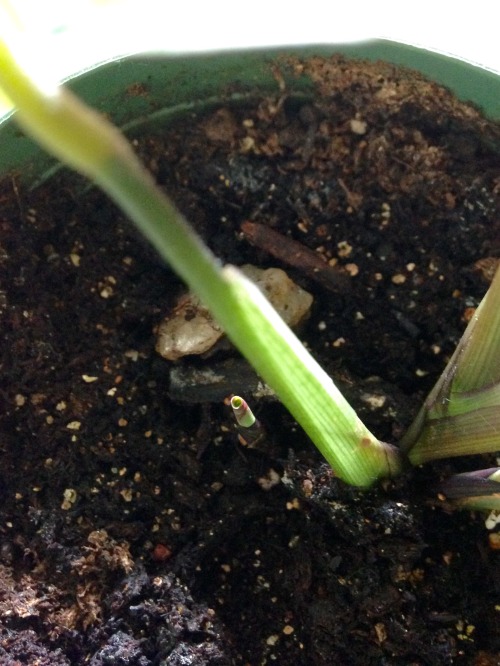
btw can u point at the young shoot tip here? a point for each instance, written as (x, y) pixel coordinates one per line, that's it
(250, 429)
(242, 412)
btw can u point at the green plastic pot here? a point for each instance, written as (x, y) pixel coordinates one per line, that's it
(141, 91)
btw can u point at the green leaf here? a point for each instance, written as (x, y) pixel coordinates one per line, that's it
(461, 415)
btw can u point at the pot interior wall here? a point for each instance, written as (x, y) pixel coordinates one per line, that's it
(140, 91)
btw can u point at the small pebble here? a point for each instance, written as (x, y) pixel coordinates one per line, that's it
(190, 329)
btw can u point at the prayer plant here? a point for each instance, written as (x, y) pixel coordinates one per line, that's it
(461, 415)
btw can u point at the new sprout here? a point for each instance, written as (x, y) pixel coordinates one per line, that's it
(250, 429)
(474, 490)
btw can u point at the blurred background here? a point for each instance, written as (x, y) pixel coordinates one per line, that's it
(71, 35)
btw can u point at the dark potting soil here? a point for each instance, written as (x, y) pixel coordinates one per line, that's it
(134, 529)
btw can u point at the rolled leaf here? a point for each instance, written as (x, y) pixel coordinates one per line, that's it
(474, 490)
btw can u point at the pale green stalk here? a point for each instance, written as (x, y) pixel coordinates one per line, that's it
(87, 142)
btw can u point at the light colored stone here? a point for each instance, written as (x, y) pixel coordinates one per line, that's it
(191, 329)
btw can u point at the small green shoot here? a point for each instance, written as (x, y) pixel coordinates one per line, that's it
(242, 412)
(250, 429)
(474, 490)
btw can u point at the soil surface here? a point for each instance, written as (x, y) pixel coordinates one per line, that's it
(135, 530)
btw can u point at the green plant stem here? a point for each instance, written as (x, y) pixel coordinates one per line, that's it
(88, 143)
(474, 432)
(256, 329)
(461, 415)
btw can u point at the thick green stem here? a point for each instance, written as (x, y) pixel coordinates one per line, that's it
(87, 142)
(256, 329)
